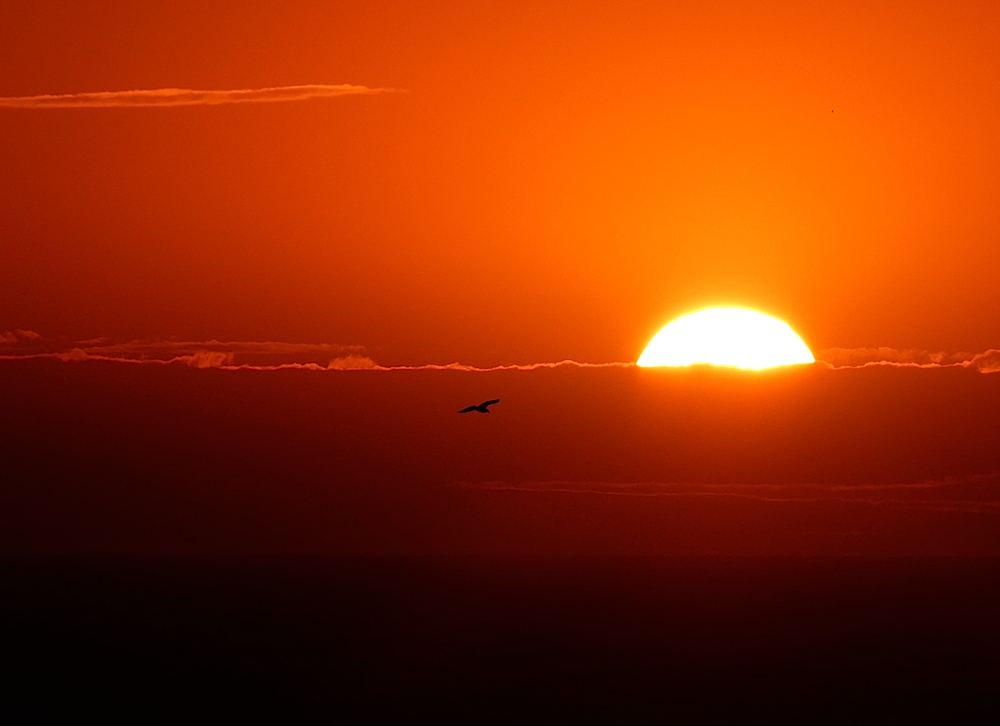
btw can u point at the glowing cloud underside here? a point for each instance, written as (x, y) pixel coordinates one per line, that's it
(726, 337)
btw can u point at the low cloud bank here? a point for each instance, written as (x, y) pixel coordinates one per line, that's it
(235, 355)
(231, 352)
(186, 97)
(263, 355)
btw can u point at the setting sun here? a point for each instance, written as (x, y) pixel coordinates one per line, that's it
(727, 337)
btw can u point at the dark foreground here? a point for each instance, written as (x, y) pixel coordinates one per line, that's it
(534, 640)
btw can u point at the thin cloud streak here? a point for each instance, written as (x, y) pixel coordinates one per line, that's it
(837, 358)
(512, 367)
(974, 494)
(169, 97)
(224, 361)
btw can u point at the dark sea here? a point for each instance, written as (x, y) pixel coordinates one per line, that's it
(501, 640)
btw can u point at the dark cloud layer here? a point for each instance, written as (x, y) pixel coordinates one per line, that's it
(101, 456)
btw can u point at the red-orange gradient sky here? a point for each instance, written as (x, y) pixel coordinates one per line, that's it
(395, 186)
(554, 181)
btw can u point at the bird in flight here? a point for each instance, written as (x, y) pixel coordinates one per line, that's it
(481, 408)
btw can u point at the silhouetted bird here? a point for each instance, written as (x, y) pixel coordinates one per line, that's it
(481, 408)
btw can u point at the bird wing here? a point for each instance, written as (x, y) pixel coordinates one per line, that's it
(468, 409)
(484, 404)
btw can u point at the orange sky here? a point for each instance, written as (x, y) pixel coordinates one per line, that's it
(258, 256)
(554, 182)
(255, 186)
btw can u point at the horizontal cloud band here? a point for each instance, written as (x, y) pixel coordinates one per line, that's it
(186, 97)
(217, 359)
(271, 355)
(986, 362)
(232, 355)
(975, 494)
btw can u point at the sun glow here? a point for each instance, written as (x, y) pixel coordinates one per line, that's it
(726, 337)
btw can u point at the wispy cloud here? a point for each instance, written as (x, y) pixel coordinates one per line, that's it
(18, 337)
(186, 97)
(986, 362)
(974, 494)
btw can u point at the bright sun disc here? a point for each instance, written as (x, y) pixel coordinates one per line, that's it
(726, 337)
